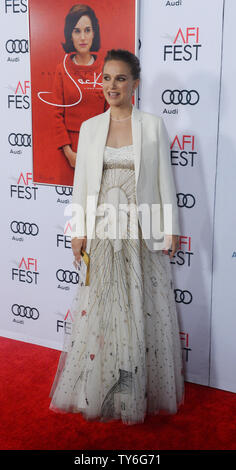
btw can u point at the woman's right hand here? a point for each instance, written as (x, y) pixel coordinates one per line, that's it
(77, 244)
(70, 155)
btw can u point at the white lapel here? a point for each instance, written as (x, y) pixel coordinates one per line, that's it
(136, 134)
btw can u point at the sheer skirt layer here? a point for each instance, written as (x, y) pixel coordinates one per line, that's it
(124, 359)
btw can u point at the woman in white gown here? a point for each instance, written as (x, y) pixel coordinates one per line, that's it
(124, 359)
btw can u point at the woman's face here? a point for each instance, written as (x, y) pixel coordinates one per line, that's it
(82, 35)
(118, 83)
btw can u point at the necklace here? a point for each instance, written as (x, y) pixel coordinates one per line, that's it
(117, 120)
(89, 63)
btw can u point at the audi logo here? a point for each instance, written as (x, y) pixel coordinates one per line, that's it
(183, 296)
(24, 228)
(27, 312)
(180, 97)
(21, 140)
(67, 276)
(17, 45)
(66, 190)
(185, 200)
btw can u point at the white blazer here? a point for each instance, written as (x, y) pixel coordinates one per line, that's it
(153, 176)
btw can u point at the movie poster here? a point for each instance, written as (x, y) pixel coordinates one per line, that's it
(68, 43)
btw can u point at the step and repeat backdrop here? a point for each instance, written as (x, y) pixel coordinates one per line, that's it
(187, 77)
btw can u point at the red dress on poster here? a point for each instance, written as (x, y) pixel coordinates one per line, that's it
(77, 96)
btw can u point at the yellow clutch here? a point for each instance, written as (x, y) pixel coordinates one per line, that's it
(86, 260)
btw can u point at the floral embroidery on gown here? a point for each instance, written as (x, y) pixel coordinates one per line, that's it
(124, 360)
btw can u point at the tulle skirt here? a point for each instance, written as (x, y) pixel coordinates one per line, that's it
(124, 357)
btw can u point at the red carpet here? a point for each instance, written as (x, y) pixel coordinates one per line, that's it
(205, 421)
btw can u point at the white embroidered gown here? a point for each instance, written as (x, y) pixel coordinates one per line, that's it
(125, 359)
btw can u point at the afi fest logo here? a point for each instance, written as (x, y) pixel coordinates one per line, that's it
(27, 271)
(66, 323)
(187, 50)
(15, 6)
(63, 239)
(20, 99)
(184, 338)
(184, 254)
(22, 189)
(185, 152)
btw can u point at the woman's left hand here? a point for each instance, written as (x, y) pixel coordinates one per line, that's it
(173, 241)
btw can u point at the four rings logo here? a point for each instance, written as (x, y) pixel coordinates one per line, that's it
(183, 296)
(15, 46)
(24, 228)
(27, 312)
(185, 200)
(67, 276)
(180, 97)
(19, 140)
(66, 190)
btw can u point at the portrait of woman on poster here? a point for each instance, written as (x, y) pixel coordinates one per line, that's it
(124, 358)
(77, 88)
